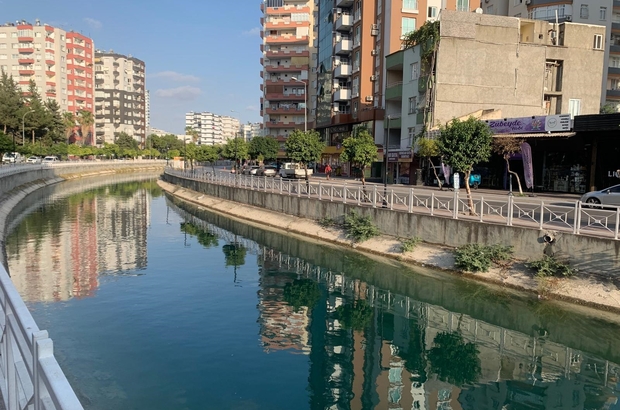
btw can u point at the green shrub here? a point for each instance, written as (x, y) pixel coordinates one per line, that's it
(409, 244)
(327, 222)
(550, 266)
(478, 258)
(359, 228)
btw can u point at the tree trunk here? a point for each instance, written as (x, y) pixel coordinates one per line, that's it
(515, 174)
(439, 182)
(470, 200)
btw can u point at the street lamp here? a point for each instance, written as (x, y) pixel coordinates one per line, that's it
(23, 129)
(305, 101)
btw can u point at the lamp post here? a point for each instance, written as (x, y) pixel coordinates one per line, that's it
(23, 129)
(386, 142)
(305, 101)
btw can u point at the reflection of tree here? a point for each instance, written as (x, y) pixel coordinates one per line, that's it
(205, 238)
(302, 292)
(454, 360)
(355, 316)
(234, 254)
(415, 355)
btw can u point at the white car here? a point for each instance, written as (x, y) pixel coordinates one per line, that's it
(34, 160)
(12, 157)
(49, 159)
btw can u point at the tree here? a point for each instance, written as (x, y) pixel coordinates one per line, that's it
(304, 147)
(507, 147)
(38, 117)
(6, 143)
(234, 254)
(428, 148)
(302, 292)
(69, 122)
(126, 141)
(263, 147)
(86, 120)
(463, 144)
(356, 315)
(190, 152)
(209, 153)
(193, 133)
(11, 103)
(453, 360)
(236, 150)
(360, 149)
(608, 109)
(56, 124)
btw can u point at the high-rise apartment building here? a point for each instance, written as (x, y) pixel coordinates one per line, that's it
(288, 80)
(120, 97)
(354, 37)
(251, 130)
(213, 129)
(60, 63)
(600, 13)
(147, 108)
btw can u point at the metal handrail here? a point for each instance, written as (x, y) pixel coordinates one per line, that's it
(535, 213)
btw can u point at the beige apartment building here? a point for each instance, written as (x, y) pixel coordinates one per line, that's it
(120, 97)
(288, 50)
(60, 62)
(213, 129)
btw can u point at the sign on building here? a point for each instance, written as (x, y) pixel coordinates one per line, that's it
(525, 125)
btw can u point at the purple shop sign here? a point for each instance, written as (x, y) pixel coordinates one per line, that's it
(517, 125)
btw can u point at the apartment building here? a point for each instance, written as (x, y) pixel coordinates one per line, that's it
(354, 36)
(213, 129)
(251, 130)
(598, 12)
(120, 97)
(60, 62)
(288, 83)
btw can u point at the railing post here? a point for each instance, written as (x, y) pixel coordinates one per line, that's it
(308, 187)
(455, 211)
(36, 379)
(481, 207)
(280, 185)
(511, 201)
(331, 193)
(391, 199)
(617, 222)
(432, 203)
(344, 193)
(542, 214)
(11, 377)
(374, 196)
(577, 211)
(265, 183)
(320, 191)
(359, 195)
(410, 204)
(298, 187)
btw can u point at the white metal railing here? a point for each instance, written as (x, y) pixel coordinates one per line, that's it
(30, 377)
(537, 213)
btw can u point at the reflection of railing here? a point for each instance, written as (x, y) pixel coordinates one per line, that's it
(535, 213)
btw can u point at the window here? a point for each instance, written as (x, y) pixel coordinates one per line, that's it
(37, 34)
(2, 35)
(415, 71)
(432, 12)
(602, 13)
(614, 61)
(598, 42)
(412, 105)
(410, 5)
(462, 5)
(2, 45)
(574, 107)
(408, 25)
(411, 135)
(583, 12)
(3, 57)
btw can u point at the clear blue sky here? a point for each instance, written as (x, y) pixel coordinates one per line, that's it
(200, 55)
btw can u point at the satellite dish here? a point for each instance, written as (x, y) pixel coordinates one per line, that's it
(479, 10)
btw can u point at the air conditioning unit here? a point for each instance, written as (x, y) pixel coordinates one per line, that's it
(374, 27)
(374, 52)
(373, 78)
(374, 32)
(568, 18)
(369, 98)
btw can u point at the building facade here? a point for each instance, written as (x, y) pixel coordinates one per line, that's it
(598, 12)
(60, 63)
(213, 129)
(120, 97)
(251, 130)
(288, 81)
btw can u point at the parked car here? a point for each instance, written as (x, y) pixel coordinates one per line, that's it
(34, 160)
(12, 157)
(293, 170)
(251, 170)
(268, 171)
(607, 196)
(49, 159)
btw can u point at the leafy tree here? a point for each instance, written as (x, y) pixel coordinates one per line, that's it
(6, 143)
(110, 150)
(205, 238)
(69, 121)
(506, 147)
(263, 147)
(86, 120)
(463, 144)
(173, 153)
(304, 147)
(193, 133)
(355, 315)
(608, 109)
(38, 117)
(454, 360)
(209, 153)
(360, 149)
(11, 104)
(234, 254)
(302, 292)
(236, 150)
(190, 152)
(428, 148)
(126, 141)
(56, 124)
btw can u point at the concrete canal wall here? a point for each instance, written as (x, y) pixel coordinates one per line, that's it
(588, 254)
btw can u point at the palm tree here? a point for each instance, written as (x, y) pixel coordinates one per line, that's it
(193, 133)
(68, 120)
(86, 120)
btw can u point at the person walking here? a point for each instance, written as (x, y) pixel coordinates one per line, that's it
(328, 171)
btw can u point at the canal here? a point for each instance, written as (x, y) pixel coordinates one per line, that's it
(155, 304)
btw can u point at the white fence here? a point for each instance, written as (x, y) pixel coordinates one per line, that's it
(527, 212)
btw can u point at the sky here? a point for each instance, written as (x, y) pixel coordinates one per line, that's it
(200, 55)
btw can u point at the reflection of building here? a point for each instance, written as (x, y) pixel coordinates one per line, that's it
(59, 253)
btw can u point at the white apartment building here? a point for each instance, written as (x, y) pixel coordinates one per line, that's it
(213, 129)
(251, 130)
(597, 12)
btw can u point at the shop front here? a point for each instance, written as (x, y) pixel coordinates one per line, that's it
(400, 168)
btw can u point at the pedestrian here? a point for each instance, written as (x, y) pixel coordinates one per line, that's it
(328, 171)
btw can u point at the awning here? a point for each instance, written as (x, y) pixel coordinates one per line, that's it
(538, 135)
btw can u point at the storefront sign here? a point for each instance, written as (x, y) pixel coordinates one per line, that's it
(542, 123)
(614, 174)
(400, 156)
(392, 156)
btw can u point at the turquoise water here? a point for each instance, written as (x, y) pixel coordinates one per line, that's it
(154, 304)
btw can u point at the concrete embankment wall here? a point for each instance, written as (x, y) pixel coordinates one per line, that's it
(588, 254)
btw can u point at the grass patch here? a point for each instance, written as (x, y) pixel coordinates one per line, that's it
(359, 228)
(409, 244)
(550, 266)
(478, 258)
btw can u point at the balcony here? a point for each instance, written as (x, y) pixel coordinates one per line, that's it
(287, 125)
(613, 70)
(344, 3)
(394, 61)
(394, 91)
(27, 39)
(25, 50)
(284, 111)
(286, 39)
(613, 93)
(285, 69)
(286, 54)
(25, 60)
(344, 22)
(284, 97)
(275, 25)
(395, 123)
(342, 70)
(342, 94)
(26, 71)
(615, 26)
(344, 47)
